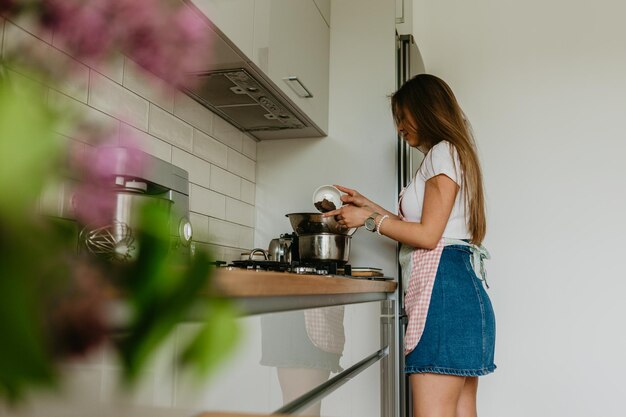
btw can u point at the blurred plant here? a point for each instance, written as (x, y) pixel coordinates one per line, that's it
(165, 37)
(54, 299)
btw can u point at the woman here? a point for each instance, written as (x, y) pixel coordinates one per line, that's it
(451, 332)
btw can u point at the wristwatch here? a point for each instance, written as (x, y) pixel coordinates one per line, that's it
(370, 222)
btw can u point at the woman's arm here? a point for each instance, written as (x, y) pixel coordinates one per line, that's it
(439, 197)
(355, 198)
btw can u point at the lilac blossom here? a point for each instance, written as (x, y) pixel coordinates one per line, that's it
(166, 39)
(95, 199)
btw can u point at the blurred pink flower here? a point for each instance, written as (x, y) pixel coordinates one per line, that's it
(166, 38)
(8, 6)
(95, 198)
(81, 27)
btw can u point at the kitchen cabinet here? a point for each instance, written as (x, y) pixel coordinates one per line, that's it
(292, 40)
(235, 18)
(286, 40)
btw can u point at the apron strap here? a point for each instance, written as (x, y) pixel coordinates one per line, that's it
(479, 255)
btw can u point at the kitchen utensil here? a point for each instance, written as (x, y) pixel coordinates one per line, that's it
(115, 241)
(324, 247)
(280, 249)
(327, 198)
(153, 181)
(311, 223)
(257, 254)
(366, 272)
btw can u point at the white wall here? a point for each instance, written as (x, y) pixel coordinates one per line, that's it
(543, 84)
(359, 152)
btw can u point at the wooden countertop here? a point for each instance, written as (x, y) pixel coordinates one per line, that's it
(245, 283)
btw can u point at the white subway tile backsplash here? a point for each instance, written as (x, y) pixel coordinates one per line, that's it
(112, 68)
(170, 128)
(18, 40)
(29, 23)
(208, 148)
(77, 84)
(224, 182)
(200, 225)
(21, 84)
(81, 121)
(239, 212)
(249, 147)
(199, 170)
(130, 136)
(148, 85)
(230, 254)
(22, 47)
(193, 112)
(227, 133)
(223, 233)
(241, 165)
(230, 234)
(248, 192)
(207, 202)
(246, 237)
(215, 252)
(113, 99)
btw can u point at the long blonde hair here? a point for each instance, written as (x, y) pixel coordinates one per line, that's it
(439, 117)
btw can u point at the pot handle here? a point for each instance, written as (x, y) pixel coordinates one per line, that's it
(352, 231)
(253, 251)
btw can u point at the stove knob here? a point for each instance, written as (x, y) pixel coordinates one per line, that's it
(185, 231)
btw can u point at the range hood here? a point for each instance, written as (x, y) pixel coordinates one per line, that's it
(235, 89)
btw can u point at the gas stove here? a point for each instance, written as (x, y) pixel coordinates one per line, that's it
(295, 267)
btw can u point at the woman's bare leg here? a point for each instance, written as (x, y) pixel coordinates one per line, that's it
(467, 402)
(296, 381)
(436, 395)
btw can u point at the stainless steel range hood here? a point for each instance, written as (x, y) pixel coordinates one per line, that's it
(242, 100)
(238, 91)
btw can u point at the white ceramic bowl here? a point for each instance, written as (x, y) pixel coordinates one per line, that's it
(329, 193)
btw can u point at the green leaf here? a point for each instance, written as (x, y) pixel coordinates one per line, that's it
(28, 145)
(216, 339)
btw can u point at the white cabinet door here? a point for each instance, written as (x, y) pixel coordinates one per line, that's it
(233, 17)
(292, 40)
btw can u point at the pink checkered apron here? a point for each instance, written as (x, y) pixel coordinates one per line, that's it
(324, 326)
(424, 264)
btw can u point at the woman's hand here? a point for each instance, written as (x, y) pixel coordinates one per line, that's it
(350, 215)
(353, 197)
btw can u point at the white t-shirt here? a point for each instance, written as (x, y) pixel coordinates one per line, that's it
(439, 160)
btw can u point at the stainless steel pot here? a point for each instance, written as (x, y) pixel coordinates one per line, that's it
(324, 247)
(314, 223)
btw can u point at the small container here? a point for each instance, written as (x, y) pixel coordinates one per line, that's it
(327, 198)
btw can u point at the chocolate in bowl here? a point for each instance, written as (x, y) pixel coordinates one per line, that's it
(325, 206)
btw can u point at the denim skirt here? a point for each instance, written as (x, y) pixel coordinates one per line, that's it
(460, 330)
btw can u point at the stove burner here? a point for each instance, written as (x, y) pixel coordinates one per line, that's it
(308, 270)
(313, 268)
